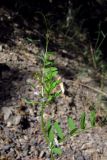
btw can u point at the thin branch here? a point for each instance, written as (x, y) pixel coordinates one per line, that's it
(94, 89)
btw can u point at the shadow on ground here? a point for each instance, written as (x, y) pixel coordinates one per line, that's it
(12, 85)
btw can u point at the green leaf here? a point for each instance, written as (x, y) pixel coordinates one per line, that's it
(50, 53)
(54, 84)
(51, 135)
(58, 130)
(58, 81)
(82, 120)
(47, 89)
(48, 63)
(46, 70)
(29, 40)
(52, 69)
(57, 94)
(73, 131)
(102, 33)
(56, 150)
(48, 125)
(92, 118)
(50, 98)
(30, 102)
(71, 124)
(54, 73)
(50, 72)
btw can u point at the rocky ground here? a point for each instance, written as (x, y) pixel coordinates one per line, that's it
(20, 133)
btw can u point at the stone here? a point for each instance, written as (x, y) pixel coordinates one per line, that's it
(7, 111)
(1, 48)
(9, 124)
(42, 153)
(17, 119)
(6, 147)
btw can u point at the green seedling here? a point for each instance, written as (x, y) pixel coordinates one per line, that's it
(53, 132)
(82, 120)
(47, 94)
(97, 53)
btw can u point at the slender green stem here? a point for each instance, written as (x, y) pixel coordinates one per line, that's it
(100, 42)
(46, 43)
(52, 157)
(96, 45)
(44, 104)
(43, 123)
(75, 134)
(93, 57)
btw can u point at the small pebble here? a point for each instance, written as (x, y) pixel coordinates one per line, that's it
(17, 119)
(11, 153)
(7, 112)
(25, 153)
(9, 124)
(26, 137)
(36, 153)
(42, 153)
(6, 147)
(1, 48)
(21, 140)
